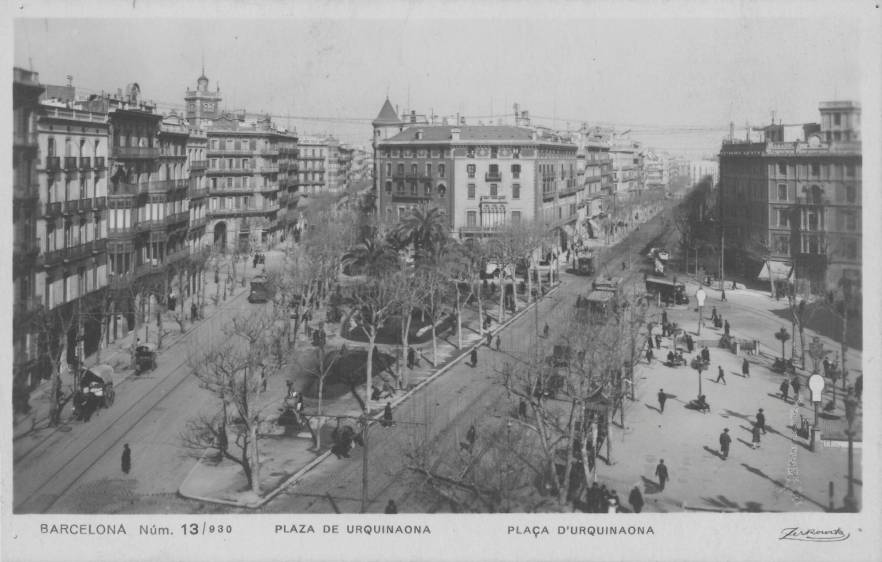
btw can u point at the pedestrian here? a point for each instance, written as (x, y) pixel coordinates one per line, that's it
(411, 357)
(664, 317)
(522, 409)
(471, 436)
(725, 441)
(391, 508)
(289, 384)
(135, 345)
(593, 497)
(761, 420)
(726, 328)
(745, 368)
(489, 339)
(690, 343)
(794, 383)
(498, 342)
(602, 499)
(545, 331)
(662, 397)
(661, 471)
(714, 315)
(826, 364)
(126, 459)
(720, 374)
(474, 357)
(649, 354)
(298, 408)
(859, 386)
(784, 388)
(636, 498)
(734, 286)
(755, 441)
(387, 415)
(657, 341)
(705, 354)
(194, 311)
(613, 506)
(263, 379)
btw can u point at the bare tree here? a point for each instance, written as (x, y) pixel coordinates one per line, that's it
(323, 366)
(375, 303)
(51, 327)
(235, 371)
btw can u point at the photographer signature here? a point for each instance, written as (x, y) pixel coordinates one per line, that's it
(815, 535)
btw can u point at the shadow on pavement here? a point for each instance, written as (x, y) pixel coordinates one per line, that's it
(650, 486)
(651, 407)
(722, 502)
(714, 452)
(762, 474)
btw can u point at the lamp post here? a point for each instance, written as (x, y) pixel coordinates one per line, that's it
(700, 295)
(816, 385)
(850, 409)
(699, 366)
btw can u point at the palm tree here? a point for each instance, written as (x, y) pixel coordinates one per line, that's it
(425, 229)
(373, 257)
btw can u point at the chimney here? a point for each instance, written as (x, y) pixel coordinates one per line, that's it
(419, 134)
(454, 134)
(412, 116)
(462, 120)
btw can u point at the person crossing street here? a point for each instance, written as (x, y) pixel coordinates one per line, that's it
(745, 368)
(721, 376)
(725, 441)
(761, 420)
(661, 471)
(662, 398)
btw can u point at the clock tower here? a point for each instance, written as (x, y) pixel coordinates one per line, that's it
(201, 104)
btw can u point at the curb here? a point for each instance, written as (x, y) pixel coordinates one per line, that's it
(375, 418)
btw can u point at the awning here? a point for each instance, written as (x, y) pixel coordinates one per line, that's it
(773, 269)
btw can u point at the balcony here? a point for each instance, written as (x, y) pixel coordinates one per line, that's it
(176, 218)
(231, 171)
(150, 224)
(269, 151)
(26, 246)
(70, 163)
(271, 169)
(135, 152)
(159, 186)
(99, 163)
(85, 163)
(178, 255)
(54, 209)
(78, 252)
(24, 306)
(491, 176)
(78, 205)
(198, 165)
(198, 222)
(53, 163)
(493, 199)
(121, 233)
(152, 266)
(198, 192)
(245, 211)
(812, 201)
(403, 197)
(230, 151)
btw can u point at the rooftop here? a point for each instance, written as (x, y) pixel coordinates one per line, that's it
(437, 133)
(387, 115)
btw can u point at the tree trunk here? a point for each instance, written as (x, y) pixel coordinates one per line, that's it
(844, 343)
(458, 320)
(480, 305)
(255, 459)
(318, 430)
(501, 297)
(563, 493)
(369, 370)
(405, 344)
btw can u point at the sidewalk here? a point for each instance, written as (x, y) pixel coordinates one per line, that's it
(118, 355)
(782, 475)
(286, 458)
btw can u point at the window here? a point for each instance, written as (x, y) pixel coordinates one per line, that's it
(782, 192)
(229, 182)
(442, 168)
(494, 190)
(515, 152)
(837, 119)
(399, 186)
(516, 171)
(850, 221)
(428, 170)
(471, 191)
(837, 135)
(470, 170)
(388, 187)
(851, 249)
(413, 169)
(400, 169)
(515, 191)
(428, 188)
(516, 217)
(494, 152)
(472, 219)
(782, 169)
(850, 194)
(560, 212)
(470, 152)
(782, 245)
(413, 187)
(494, 170)
(849, 170)
(783, 217)
(816, 169)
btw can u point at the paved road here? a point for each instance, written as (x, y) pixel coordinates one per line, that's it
(76, 469)
(447, 406)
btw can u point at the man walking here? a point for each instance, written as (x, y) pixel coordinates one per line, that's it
(126, 460)
(391, 508)
(726, 328)
(636, 499)
(489, 339)
(794, 384)
(725, 441)
(721, 376)
(545, 331)
(411, 357)
(471, 436)
(474, 357)
(745, 368)
(705, 354)
(662, 397)
(498, 342)
(755, 441)
(785, 389)
(761, 420)
(661, 471)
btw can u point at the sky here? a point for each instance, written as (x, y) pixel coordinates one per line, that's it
(675, 82)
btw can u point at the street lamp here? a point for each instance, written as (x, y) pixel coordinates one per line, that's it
(816, 385)
(850, 409)
(700, 295)
(699, 366)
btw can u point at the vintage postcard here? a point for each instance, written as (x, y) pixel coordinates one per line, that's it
(441, 281)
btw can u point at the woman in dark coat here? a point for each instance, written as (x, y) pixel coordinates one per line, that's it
(126, 458)
(636, 499)
(474, 357)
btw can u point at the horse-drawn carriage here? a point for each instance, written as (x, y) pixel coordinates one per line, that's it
(95, 390)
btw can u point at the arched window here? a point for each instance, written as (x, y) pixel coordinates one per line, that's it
(68, 148)
(82, 148)
(442, 190)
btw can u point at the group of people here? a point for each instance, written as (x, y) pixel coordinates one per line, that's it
(600, 499)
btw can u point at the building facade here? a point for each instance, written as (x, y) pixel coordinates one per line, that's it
(797, 203)
(312, 166)
(482, 177)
